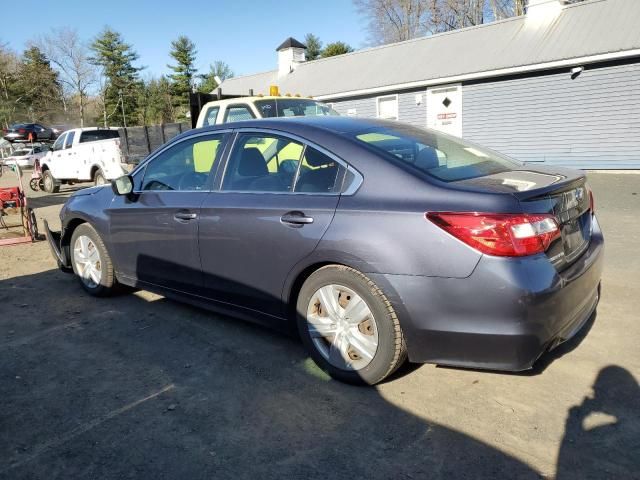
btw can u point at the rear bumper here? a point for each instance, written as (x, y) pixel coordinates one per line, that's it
(503, 316)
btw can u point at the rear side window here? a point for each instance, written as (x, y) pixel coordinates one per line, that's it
(95, 135)
(319, 173)
(210, 116)
(238, 113)
(262, 163)
(69, 141)
(440, 156)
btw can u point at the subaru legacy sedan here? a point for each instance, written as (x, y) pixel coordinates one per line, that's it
(377, 240)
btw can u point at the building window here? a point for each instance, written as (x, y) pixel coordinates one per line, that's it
(387, 107)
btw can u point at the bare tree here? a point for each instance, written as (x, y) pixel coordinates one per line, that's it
(70, 55)
(394, 20)
(391, 21)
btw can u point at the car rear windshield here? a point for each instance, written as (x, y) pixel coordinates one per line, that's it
(293, 107)
(441, 156)
(21, 153)
(95, 135)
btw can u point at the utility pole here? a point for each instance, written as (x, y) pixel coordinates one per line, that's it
(124, 118)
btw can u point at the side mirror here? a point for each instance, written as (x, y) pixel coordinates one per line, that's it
(122, 185)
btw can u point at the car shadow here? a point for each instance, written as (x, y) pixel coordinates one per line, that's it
(138, 386)
(602, 433)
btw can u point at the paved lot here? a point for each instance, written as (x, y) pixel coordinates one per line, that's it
(141, 387)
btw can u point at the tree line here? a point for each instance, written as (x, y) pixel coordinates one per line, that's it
(60, 78)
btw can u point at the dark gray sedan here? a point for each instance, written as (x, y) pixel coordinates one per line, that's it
(379, 240)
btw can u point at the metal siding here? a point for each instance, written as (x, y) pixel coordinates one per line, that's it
(584, 29)
(592, 121)
(408, 111)
(365, 107)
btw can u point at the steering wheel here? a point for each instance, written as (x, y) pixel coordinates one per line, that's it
(192, 181)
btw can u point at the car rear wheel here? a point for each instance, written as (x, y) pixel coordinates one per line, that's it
(49, 184)
(348, 326)
(91, 262)
(98, 178)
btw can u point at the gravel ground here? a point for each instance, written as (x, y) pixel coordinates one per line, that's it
(138, 386)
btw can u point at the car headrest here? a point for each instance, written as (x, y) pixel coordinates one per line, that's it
(315, 158)
(252, 163)
(427, 159)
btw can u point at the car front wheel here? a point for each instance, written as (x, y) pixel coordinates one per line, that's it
(99, 179)
(348, 326)
(91, 262)
(49, 184)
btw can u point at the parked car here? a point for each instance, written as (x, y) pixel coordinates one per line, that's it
(249, 108)
(378, 239)
(58, 129)
(83, 154)
(26, 157)
(24, 132)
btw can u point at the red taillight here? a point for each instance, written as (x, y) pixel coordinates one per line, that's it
(21, 130)
(504, 235)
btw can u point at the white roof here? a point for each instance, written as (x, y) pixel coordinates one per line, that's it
(586, 32)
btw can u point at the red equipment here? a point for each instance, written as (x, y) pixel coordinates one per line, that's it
(14, 202)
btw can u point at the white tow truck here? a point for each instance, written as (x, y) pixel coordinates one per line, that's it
(214, 109)
(83, 154)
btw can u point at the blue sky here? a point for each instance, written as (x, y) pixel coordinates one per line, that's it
(242, 33)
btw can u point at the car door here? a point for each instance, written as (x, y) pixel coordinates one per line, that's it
(69, 163)
(55, 159)
(154, 232)
(263, 220)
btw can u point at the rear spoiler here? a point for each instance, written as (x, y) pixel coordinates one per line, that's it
(198, 100)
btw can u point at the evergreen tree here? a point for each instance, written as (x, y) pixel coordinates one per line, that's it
(183, 51)
(158, 98)
(40, 91)
(217, 69)
(122, 80)
(335, 48)
(314, 46)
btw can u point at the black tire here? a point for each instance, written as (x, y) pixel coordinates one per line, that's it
(107, 284)
(34, 184)
(99, 178)
(49, 184)
(391, 349)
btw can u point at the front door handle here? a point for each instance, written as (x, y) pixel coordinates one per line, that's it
(185, 216)
(296, 219)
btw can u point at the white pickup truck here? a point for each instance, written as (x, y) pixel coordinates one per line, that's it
(83, 154)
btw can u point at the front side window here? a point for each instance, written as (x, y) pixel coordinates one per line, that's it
(210, 116)
(58, 143)
(69, 141)
(186, 166)
(238, 113)
(435, 154)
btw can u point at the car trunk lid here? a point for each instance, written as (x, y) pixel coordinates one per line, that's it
(560, 192)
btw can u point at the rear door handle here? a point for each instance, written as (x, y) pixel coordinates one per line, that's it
(185, 216)
(296, 219)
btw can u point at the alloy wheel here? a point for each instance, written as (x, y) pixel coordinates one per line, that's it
(86, 257)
